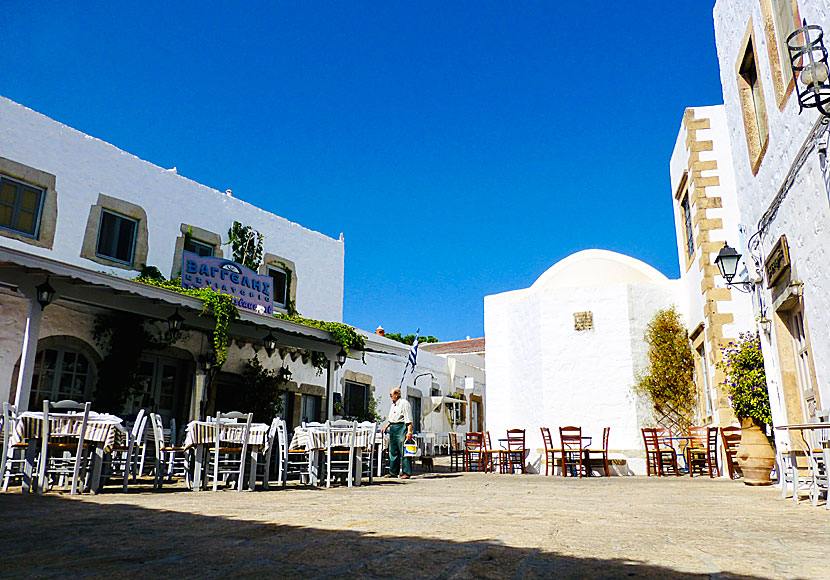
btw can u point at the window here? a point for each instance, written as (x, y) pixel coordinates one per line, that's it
(280, 278)
(310, 406)
(751, 95)
(20, 206)
(199, 248)
(779, 22)
(356, 400)
(59, 374)
(116, 237)
(687, 222)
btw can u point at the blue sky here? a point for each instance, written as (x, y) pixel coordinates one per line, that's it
(461, 147)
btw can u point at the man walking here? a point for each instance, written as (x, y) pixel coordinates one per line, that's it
(400, 431)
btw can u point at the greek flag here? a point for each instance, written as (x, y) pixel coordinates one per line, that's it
(413, 357)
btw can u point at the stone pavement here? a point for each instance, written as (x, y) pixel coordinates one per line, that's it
(442, 525)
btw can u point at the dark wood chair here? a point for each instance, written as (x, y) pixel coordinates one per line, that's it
(550, 452)
(456, 452)
(474, 451)
(660, 459)
(514, 458)
(572, 452)
(731, 438)
(599, 457)
(696, 451)
(712, 452)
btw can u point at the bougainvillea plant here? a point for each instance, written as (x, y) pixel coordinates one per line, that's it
(743, 365)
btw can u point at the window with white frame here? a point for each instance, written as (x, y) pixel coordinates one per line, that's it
(116, 237)
(60, 374)
(20, 206)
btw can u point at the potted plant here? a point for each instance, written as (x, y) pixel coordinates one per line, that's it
(743, 365)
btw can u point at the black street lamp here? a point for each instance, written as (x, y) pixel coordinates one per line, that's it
(727, 263)
(44, 294)
(808, 59)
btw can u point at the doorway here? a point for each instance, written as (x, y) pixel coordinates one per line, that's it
(161, 387)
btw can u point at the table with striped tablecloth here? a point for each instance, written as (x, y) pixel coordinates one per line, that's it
(204, 433)
(100, 428)
(314, 438)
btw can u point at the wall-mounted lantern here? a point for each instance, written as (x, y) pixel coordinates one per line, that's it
(175, 321)
(270, 343)
(808, 59)
(727, 263)
(44, 294)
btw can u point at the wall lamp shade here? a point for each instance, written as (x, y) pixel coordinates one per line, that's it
(341, 357)
(44, 294)
(175, 321)
(808, 59)
(270, 343)
(727, 262)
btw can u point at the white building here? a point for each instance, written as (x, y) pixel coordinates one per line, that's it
(781, 177)
(567, 350)
(706, 217)
(89, 217)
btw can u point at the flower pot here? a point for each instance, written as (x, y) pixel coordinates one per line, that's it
(755, 454)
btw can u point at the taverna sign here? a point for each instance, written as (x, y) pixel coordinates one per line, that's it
(248, 289)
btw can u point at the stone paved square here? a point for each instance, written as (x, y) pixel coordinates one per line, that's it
(442, 525)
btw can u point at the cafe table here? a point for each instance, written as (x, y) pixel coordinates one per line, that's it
(315, 439)
(684, 442)
(103, 431)
(202, 435)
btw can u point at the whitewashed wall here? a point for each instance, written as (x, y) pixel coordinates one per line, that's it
(541, 372)
(804, 215)
(85, 166)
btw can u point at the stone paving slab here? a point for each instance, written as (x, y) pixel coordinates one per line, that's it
(451, 526)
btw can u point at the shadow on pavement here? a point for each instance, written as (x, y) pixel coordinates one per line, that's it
(51, 537)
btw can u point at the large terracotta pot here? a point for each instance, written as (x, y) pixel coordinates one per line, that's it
(755, 454)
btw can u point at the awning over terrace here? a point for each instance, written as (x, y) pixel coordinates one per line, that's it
(21, 272)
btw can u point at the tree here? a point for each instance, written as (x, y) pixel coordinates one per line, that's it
(246, 244)
(669, 381)
(410, 338)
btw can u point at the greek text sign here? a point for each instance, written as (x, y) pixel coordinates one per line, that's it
(248, 289)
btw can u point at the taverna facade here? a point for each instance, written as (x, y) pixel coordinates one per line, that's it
(87, 217)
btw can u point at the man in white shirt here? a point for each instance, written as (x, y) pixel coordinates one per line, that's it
(400, 431)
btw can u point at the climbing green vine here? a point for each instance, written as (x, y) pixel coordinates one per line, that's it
(343, 334)
(220, 306)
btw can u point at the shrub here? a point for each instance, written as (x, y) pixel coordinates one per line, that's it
(743, 365)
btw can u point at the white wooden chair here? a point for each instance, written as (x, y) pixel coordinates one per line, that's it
(341, 439)
(63, 450)
(272, 443)
(818, 443)
(166, 455)
(791, 474)
(13, 460)
(123, 457)
(368, 457)
(178, 464)
(228, 458)
(299, 462)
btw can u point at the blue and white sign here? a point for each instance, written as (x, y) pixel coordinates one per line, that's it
(248, 289)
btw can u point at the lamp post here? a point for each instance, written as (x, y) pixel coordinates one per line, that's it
(727, 263)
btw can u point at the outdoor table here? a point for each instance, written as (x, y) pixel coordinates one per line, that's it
(313, 440)
(203, 433)
(426, 441)
(103, 431)
(809, 427)
(685, 441)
